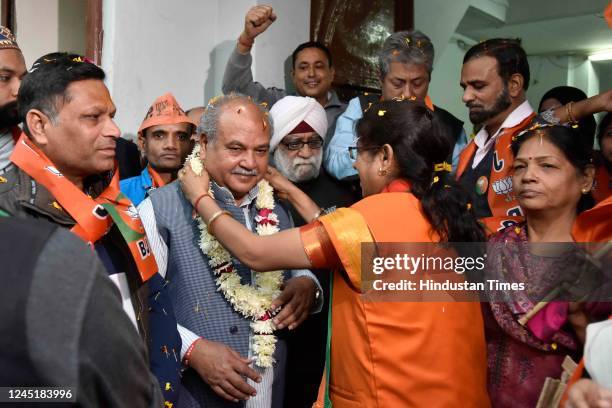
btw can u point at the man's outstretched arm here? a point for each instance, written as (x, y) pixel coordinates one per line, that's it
(238, 76)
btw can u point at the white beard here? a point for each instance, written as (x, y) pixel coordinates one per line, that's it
(298, 169)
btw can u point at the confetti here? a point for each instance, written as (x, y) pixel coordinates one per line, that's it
(3, 180)
(382, 112)
(168, 386)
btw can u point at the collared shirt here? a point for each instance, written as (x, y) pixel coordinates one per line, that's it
(263, 399)
(484, 143)
(337, 161)
(238, 77)
(136, 188)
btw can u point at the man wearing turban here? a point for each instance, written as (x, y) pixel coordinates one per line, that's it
(300, 127)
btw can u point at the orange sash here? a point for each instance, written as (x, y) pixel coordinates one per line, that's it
(156, 180)
(91, 215)
(504, 207)
(594, 225)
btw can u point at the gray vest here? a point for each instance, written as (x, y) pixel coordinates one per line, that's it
(198, 305)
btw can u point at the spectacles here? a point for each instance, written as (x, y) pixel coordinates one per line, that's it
(313, 144)
(355, 150)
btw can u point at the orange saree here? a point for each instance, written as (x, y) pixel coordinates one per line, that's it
(393, 354)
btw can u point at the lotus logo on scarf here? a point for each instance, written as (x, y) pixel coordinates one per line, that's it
(54, 171)
(504, 186)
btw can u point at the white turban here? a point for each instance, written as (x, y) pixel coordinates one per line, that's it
(290, 111)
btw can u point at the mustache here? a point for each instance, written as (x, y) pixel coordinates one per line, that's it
(473, 105)
(245, 172)
(299, 161)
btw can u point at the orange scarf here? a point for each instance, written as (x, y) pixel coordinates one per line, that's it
(91, 215)
(156, 180)
(504, 206)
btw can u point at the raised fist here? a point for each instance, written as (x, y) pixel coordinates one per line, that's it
(257, 20)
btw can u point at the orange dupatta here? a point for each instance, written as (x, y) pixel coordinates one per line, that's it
(156, 179)
(91, 215)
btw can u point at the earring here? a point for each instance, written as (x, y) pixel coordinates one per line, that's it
(585, 190)
(382, 172)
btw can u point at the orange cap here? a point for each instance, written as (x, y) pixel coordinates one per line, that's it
(608, 15)
(164, 111)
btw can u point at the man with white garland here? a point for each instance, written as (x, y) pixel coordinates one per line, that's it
(224, 309)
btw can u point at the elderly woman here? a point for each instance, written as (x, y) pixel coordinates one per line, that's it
(553, 176)
(383, 354)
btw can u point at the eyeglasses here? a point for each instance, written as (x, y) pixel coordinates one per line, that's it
(313, 144)
(355, 150)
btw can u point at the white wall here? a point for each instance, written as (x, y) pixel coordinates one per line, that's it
(72, 33)
(155, 46)
(45, 26)
(444, 88)
(547, 72)
(439, 19)
(36, 28)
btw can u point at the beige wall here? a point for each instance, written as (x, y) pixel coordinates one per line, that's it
(44, 26)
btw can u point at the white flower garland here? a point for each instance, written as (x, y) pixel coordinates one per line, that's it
(251, 302)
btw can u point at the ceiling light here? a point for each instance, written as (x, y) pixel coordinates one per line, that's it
(601, 55)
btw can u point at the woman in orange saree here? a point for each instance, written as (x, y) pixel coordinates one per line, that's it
(382, 354)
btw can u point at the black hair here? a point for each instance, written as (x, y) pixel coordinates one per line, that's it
(311, 44)
(605, 122)
(420, 141)
(566, 94)
(569, 141)
(510, 56)
(44, 87)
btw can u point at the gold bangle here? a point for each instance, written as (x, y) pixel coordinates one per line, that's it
(213, 218)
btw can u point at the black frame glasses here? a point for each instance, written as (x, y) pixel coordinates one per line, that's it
(355, 150)
(313, 144)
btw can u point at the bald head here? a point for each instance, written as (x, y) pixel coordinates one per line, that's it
(237, 107)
